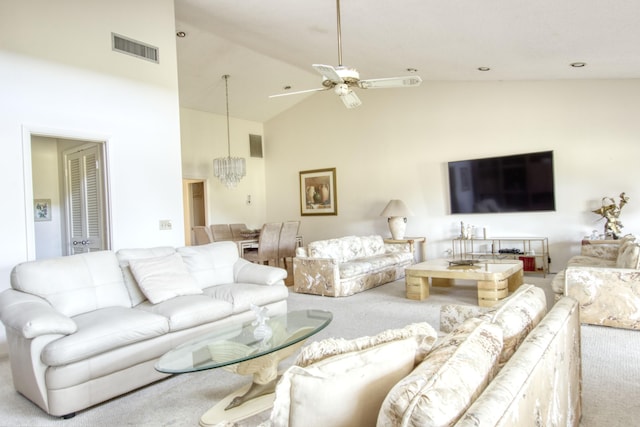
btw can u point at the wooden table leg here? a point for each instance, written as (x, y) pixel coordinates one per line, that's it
(515, 280)
(492, 291)
(417, 287)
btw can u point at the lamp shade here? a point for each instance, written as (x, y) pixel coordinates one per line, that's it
(396, 207)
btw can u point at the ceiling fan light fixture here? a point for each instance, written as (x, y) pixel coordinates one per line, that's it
(229, 170)
(350, 99)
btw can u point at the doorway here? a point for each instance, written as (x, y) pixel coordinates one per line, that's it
(195, 207)
(70, 176)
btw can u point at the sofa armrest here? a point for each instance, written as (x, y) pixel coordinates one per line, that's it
(248, 272)
(319, 276)
(607, 296)
(31, 316)
(600, 250)
(452, 315)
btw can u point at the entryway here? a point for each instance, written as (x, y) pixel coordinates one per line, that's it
(69, 182)
(195, 206)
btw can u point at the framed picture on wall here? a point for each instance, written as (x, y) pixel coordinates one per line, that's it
(318, 192)
(42, 209)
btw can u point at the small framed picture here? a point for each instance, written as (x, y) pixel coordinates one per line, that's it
(42, 209)
(318, 192)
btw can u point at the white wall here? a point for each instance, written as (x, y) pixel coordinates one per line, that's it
(398, 143)
(59, 77)
(204, 137)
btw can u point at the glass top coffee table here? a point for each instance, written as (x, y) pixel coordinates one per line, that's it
(251, 348)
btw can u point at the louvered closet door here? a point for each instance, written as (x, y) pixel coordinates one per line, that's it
(84, 201)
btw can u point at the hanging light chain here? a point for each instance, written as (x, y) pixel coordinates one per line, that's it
(229, 170)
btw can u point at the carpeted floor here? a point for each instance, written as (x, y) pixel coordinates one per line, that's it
(611, 372)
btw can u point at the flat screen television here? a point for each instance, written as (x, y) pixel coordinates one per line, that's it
(515, 183)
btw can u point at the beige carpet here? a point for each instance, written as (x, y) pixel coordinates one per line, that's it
(611, 367)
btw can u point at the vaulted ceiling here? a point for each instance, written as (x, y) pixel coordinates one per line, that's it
(265, 45)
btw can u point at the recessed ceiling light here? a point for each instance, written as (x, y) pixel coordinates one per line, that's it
(578, 64)
(484, 68)
(181, 34)
(412, 70)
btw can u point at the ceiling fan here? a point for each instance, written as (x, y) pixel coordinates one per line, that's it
(343, 79)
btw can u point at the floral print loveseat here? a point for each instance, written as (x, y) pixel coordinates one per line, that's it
(605, 279)
(348, 265)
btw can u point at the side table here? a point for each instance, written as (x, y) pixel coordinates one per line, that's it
(412, 241)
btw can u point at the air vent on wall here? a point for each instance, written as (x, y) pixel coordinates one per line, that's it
(134, 48)
(255, 145)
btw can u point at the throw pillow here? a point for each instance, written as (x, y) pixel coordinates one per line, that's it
(423, 333)
(343, 390)
(517, 315)
(450, 378)
(163, 278)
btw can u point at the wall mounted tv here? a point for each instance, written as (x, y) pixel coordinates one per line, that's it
(516, 183)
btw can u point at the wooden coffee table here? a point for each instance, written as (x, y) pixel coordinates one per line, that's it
(494, 278)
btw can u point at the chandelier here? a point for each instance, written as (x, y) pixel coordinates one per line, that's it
(229, 170)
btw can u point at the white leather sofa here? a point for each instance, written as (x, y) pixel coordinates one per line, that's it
(348, 265)
(513, 364)
(85, 328)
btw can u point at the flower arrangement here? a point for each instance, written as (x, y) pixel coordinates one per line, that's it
(610, 211)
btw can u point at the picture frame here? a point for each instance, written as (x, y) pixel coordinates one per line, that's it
(42, 209)
(318, 194)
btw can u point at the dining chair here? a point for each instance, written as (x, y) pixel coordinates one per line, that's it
(287, 243)
(236, 230)
(221, 232)
(201, 235)
(267, 244)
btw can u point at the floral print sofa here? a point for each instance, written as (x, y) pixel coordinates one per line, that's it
(605, 280)
(348, 265)
(513, 364)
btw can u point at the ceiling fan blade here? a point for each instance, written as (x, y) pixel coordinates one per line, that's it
(299, 92)
(328, 72)
(390, 82)
(351, 100)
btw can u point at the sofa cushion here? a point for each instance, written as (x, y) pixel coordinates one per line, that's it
(183, 312)
(102, 330)
(211, 264)
(629, 256)
(517, 315)
(340, 386)
(444, 385)
(371, 264)
(242, 295)
(320, 350)
(163, 278)
(344, 248)
(74, 284)
(125, 255)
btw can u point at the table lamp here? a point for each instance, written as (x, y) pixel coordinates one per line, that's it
(397, 212)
